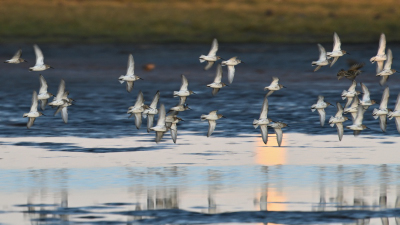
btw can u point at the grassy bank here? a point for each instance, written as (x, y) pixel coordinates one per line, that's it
(151, 21)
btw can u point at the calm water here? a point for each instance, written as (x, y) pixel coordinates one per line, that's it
(99, 169)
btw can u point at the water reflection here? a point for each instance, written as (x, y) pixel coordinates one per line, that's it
(209, 190)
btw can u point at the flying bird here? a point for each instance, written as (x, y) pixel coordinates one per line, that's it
(383, 110)
(43, 94)
(274, 86)
(320, 106)
(380, 56)
(387, 70)
(33, 113)
(263, 121)
(231, 63)
(278, 130)
(137, 109)
(39, 66)
(130, 76)
(322, 61)
(183, 92)
(212, 117)
(217, 84)
(395, 113)
(16, 58)
(336, 52)
(160, 128)
(151, 111)
(211, 57)
(338, 120)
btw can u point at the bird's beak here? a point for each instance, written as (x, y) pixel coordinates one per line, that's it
(348, 53)
(51, 67)
(284, 86)
(243, 62)
(141, 78)
(189, 108)
(223, 117)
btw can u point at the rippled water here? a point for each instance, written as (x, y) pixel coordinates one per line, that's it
(100, 169)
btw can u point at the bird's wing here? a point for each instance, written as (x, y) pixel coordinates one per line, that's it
(64, 114)
(39, 55)
(360, 115)
(17, 55)
(150, 121)
(264, 133)
(279, 135)
(269, 93)
(138, 120)
(397, 120)
(397, 106)
(336, 42)
(339, 110)
(383, 80)
(182, 100)
(388, 64)
(339, 127)
(317, 68)
(385, 99)
(333, 61)
(209, 65)
(174, 132)
(379, 66)
(322, 116)
(322, 53)
(353, 86)
(215, 91)
(349, 101)
(264, 109)
(382, 45)
(231, 73)
(275, 81)
(43, 104)
(30, 122)
(357, 66)
(155, 100)
(129, 86)
(213, 112)
(356, 101)
(139, 99)
(43, 85)
(131, 65)
(214, 48)
(34, 102)
(211, 127)
(59, 108)
(184, 84)
(159, 136)
(218, 75)
(61, 90)
(365, 91)
(161, 116)
(320, 99)
(382, 122)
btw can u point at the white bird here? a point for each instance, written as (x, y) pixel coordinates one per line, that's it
(380, 56)
(43, 94)
(263, 121)
(16, 58)
(33, 113)
(338, 120)
(217, 84)
(274, 86)
(183, 92)
(357, 126)
(212, 118)
(39, 66)
(322, 61)
(160, 128)
(151, 111)
(320, 106)
(231, 63)
(336, 52)
(181, 106)
(387, 70)
(130, 77)
(366, 100)
(353, 107)
(64, 108)
(211, 57)
(278, 130)
(396, 113)
(59, 100)
(137, 109)
(351, 92)
(383, 110)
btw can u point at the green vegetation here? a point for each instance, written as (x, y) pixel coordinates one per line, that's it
(151, 21)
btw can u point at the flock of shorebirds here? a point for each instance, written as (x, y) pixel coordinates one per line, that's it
(168, 122)
(354, 105)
